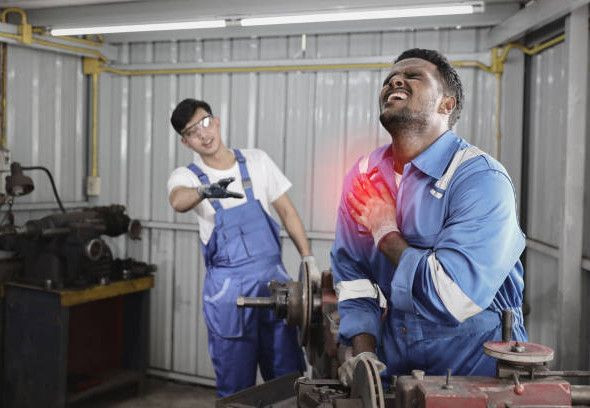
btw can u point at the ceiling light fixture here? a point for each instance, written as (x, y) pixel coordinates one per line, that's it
(398, 12)
(133, 28)
(442, 9)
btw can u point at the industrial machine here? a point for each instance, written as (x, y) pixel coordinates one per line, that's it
(66, 249)
(523, 378)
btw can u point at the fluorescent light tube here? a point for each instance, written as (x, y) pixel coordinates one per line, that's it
(425, 11)
(187, 25)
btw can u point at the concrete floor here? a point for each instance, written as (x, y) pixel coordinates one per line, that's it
(158, 393)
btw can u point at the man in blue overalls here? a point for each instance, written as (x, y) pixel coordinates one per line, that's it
(241, 246)
(426, 255)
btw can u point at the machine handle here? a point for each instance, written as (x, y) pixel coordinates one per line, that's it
(506, 325)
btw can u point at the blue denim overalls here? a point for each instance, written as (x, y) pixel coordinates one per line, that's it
(243, 254)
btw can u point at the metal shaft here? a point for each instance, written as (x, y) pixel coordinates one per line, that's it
(506, 325)
(255, 302)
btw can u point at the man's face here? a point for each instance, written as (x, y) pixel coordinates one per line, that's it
(202, 133)
(411, 95)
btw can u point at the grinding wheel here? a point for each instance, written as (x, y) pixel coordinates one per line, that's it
(530, 353)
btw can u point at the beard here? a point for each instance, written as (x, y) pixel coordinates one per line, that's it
(403, 119)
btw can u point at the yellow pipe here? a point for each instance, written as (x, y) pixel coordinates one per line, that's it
(73, 48)
(84, 41)
(233, 70)
(11, 36)
(25, 29)
(471, 64)
(532, 50)
(6, 11)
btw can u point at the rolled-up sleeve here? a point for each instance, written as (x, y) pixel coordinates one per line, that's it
(359, 296)
(479, 244)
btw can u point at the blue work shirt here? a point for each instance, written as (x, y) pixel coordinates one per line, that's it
(463, 260)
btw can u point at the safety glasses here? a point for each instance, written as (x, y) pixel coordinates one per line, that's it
(196, 129)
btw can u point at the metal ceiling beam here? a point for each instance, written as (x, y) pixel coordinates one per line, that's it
(538, 14)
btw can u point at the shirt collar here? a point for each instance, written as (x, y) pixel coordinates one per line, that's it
(435, 159)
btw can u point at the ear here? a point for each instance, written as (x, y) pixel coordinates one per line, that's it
(184, 141)
(447, 105)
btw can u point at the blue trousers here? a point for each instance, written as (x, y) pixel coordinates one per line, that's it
(272, 345)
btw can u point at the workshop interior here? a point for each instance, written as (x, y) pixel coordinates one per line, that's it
(101, 281)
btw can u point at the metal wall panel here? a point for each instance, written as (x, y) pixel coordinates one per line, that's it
(542, 299)
(314, 125)
(547, 125)
(46, 121)
(546, 117)
(586, 241)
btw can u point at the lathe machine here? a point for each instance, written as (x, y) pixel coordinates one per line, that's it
(523, 379)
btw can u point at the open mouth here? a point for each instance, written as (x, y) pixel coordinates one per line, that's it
(398, 95)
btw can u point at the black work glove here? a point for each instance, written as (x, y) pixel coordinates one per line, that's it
(218, 190)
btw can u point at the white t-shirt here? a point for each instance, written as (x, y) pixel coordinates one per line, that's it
(398, 178)
(268, 184)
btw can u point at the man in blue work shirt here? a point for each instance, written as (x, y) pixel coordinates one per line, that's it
(231, 192)
(426, 255)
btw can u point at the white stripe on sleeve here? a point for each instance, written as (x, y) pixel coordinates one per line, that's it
(454, 299)
(360, 288)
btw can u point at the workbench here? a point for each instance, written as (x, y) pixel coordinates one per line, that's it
(65, 346)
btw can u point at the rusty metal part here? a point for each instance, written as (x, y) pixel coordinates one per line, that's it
(367, 385)
(510, 352)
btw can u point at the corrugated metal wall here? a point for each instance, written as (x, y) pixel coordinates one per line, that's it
(547, 80)
(46, 125)
(313, 124)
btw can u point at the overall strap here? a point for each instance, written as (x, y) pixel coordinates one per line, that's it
(246, 181)
(204, 180)
(460, 157)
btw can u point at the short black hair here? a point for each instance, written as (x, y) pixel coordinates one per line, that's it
(451, 81)
(185, 110)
